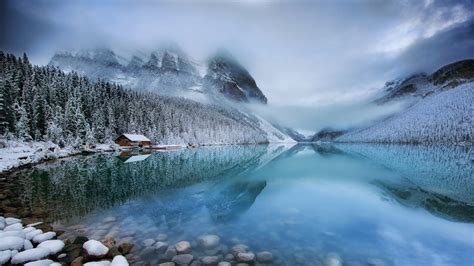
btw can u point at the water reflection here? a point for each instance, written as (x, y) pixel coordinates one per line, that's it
(436, 178)
(77, 186)
(301, 202)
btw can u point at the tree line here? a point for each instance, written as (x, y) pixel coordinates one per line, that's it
(46, 104)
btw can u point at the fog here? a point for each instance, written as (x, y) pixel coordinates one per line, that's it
(316, 61)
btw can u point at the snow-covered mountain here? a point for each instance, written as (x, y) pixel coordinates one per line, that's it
(228, 77)
(167, 71)
(439, 109)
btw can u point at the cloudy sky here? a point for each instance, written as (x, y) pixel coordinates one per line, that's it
(304, 55)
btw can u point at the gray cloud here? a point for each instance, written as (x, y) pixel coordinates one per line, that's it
(316, 55)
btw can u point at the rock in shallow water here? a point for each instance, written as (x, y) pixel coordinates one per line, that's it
(333, 260)
(125, 248)
(208, 241)
(183, 258)
(245, 257)
(148, 242)
(162, 237)
(210, 260)
(238, 249)
(161, 247)
(183, 247)
(264, 256)
(30, 255)
(170, 253)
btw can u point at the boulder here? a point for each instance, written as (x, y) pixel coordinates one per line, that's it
(208, 241)
(245, 257)
(11, 242)
(5, 256)
(238, 249)
(264, 256)
(333, 259)
(30, 255)
(125, 248)
(183, 259)
(210, 260)
(119, 261)
(183, 247)
(161, 247)
(93, 248)
(148, 242)
(43, 237)
(55, 246)
(40, 263)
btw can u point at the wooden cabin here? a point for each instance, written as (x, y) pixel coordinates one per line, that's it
(133, 140)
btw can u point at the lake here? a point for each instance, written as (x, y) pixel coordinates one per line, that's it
(307, 204)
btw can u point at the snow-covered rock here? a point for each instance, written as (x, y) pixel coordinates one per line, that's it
(33, 233)
(30, 255)
(95, 248)
(5, 256)
(98, 263)
(14, 227)
(119, 260)
(11, 242)
(13, 233)
(40, 263)
(2, 222)
(53, 245)
(27, 245)
(11, 220)
(43, 237)
(28, 229)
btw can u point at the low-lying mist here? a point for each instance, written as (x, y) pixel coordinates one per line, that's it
(338, 116)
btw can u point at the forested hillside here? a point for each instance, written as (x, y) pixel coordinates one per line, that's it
(46, 104)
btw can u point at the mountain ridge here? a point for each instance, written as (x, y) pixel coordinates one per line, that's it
(168, 70)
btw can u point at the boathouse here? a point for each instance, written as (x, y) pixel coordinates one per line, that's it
(132, 140)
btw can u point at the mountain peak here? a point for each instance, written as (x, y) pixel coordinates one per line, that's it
(230, 78)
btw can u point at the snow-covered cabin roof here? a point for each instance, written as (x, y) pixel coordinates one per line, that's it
(136, 137)
(137, 158)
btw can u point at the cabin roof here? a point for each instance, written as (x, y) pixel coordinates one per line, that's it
(137, 158)
(135, 137)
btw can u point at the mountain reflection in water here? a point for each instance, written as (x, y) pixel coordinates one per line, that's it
(300, 201)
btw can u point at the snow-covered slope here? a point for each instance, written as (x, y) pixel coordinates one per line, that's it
(445, 117)
(169, 71)
(439, 109)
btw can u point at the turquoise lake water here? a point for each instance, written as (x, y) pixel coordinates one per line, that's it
(400, 205)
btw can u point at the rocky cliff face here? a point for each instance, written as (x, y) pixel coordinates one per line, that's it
(421, 85)
(168, 70)
(228, 77)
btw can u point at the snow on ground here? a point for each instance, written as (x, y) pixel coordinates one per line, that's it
(15, 153)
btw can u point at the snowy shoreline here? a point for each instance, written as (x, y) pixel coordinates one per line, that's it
(15, 155)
